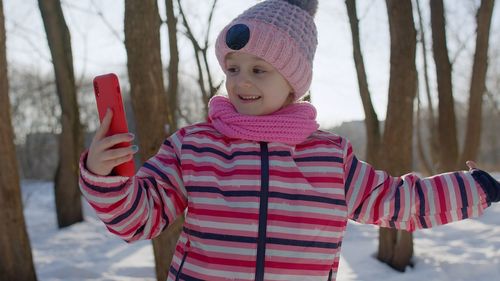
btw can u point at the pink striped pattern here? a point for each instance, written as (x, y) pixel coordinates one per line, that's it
(268, 211)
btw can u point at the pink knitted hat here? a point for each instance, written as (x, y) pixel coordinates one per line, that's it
(281, 32)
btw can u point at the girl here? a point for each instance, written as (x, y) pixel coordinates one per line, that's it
(267, 195)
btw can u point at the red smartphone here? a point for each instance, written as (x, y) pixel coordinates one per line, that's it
(108, 95)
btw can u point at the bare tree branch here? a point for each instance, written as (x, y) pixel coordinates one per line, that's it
(203, 67)
(34, 47)
(210, 22)
(433, 140)
(99, 12)
(493, 102)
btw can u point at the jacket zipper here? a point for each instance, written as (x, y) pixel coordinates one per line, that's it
(264, 193)
(180, 266)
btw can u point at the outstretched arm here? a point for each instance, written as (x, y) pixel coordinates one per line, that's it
(409, 202)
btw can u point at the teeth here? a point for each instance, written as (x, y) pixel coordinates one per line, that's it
(250, 97)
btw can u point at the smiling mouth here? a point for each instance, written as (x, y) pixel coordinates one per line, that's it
(249, 98)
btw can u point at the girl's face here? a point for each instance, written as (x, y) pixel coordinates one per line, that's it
(254, 86)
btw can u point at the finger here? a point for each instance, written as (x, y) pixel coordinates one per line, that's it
(104, 127)
(119, 152)
(471, 164)
(121, 160)
(116, 139)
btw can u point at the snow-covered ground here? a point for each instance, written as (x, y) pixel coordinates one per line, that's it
(466, 250)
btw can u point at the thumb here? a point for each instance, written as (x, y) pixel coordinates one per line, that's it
(471, 164)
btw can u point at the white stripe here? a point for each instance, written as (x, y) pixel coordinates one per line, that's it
(182, 238)
(102, 200)
(223, 202)
(176, 143)
(331, 191)
(299, 255)
(328, 150)
(386, 204)
(129, 195)
(475, 211)
(219, 273)
(355, 188)
(322, 169)
(278, 163)
(213, 160)
(280, 146)
(286, 277)
(313, 232)
(168, 202)
(475, 194)
(223, 249)
(473, 189)
(149, 222)
(175, 260)
(196, 128)
(219, 182)
(170, 172)
(305, 186)
(432, 204)
(102, 179)
(452, 197)
(307, 209)
(402, 225)
(226, 148)
(222, 225)
(141, 208)
(407, 205)
(292, 185)
(105, 216)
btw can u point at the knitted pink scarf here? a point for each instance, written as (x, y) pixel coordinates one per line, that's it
(289, 125)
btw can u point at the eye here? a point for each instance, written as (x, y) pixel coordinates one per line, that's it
(259, 71)
(232, 69)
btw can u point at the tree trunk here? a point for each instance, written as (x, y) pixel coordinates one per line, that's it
(142, 42)
(396, 249)
(478, 83)
(16, 262)
(173, 68)
(67, 194)
(371, 120)
(447, 132)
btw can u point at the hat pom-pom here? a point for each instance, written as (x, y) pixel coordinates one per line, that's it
(310, 6)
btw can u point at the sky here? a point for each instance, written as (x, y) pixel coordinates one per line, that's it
(97, 44)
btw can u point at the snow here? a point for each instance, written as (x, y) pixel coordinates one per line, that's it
(461, 251)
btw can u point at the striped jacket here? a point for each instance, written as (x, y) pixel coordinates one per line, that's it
(268, 211)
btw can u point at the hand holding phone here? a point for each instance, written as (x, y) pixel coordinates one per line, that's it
(111, 150)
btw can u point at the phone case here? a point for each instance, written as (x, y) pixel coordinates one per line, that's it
(108, 95)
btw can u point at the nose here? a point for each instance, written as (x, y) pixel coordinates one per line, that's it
(243, 81)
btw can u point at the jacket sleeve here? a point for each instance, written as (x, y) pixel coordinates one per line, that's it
(409, 202)
(139, 207)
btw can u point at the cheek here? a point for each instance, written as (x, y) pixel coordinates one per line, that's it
(229, 84)
(282, 89)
